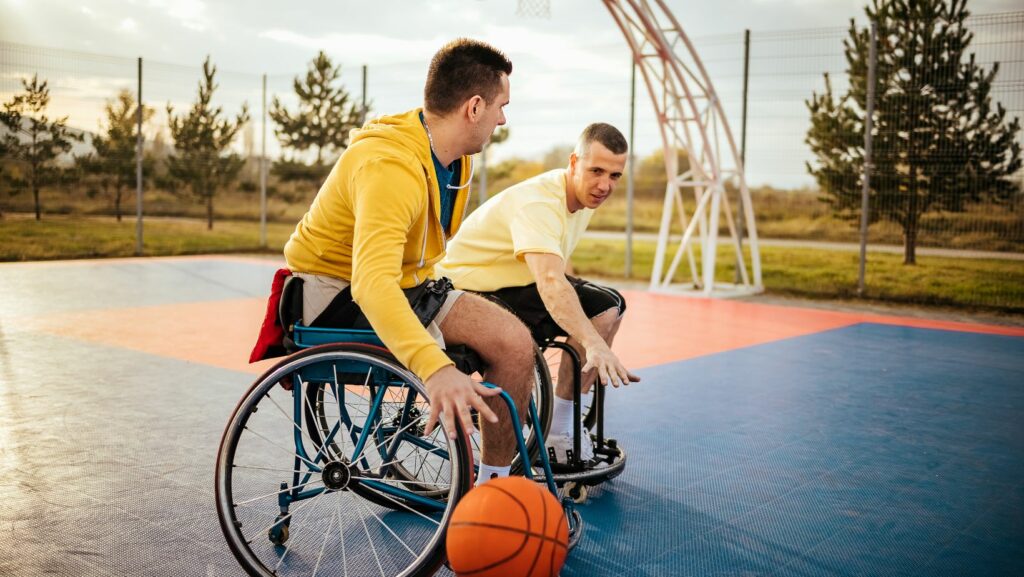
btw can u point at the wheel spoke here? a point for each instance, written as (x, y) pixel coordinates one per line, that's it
(247, 501)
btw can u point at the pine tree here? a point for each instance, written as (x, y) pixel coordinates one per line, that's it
(201, 157)
(321, 122)
(32, 140)
(114, 163)
(938, 141)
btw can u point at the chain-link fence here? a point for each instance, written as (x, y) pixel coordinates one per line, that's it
(945, 178)
(192, 174)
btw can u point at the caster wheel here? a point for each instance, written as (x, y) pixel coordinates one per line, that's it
(577, 492)
(278, 534)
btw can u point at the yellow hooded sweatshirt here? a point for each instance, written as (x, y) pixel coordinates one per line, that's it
(376, 223)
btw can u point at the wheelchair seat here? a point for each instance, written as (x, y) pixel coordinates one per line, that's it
(298, 336)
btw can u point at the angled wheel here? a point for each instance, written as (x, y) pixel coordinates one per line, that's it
(306, 479)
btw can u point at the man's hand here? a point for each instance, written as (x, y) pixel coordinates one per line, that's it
(609, 368)
(452, 392)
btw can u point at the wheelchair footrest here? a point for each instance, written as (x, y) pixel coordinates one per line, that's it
(607, 464)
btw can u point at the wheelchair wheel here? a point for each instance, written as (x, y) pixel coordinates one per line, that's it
(304, 490)
(543, 400)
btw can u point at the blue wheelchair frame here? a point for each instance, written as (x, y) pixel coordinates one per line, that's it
(306, 337)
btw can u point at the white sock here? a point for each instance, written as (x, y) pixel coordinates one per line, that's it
(561, 420)
(488, 472)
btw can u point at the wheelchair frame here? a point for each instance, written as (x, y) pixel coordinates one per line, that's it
(369, 473)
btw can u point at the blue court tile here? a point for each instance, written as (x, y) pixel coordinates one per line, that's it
(705, 557)
(1002, 524)
(673, 520)
(968, 555)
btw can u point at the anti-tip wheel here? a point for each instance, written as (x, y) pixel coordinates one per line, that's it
(576, 491)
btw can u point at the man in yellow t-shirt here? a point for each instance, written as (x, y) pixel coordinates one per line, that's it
(516, 248)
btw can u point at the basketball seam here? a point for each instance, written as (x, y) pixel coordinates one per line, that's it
(544, 526)
(507, 528)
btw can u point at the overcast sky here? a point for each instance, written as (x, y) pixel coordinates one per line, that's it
(570, 70)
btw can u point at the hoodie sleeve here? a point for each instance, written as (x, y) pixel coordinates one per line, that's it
(389, 198)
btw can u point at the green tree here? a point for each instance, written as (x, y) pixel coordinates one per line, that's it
(321, 122)
(938, 141)
(113, 165)
(201, 158)
(32, 140)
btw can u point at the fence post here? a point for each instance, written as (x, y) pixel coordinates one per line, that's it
(481, 193)
(263, 170)
(630, 185)
(866, 179)
(138, 165)
(743, 148)
(362, 113)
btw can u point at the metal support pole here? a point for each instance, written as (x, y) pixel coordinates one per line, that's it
(138, 166)
(481, 193)
(866, 188)
(630, 185)
(263, 171)
(362, 114)
(743, 148)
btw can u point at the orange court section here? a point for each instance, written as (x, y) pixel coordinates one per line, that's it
(658, 328)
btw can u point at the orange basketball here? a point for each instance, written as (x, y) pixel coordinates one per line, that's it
(508, 527)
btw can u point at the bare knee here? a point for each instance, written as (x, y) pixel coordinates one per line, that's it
(515, 348)
(606, 322)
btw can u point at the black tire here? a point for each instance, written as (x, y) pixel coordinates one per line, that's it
(258, 434)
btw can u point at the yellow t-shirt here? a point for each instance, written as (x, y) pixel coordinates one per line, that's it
(487, 252)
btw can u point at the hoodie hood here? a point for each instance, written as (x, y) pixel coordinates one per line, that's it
(405, 130)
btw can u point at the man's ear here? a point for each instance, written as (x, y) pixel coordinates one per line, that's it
(474, 107)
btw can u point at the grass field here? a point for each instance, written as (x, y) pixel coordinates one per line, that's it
(784, 214)
(983, 284)
(814, 273)
(59, 236)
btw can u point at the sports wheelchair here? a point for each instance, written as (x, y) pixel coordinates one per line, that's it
(324, 467)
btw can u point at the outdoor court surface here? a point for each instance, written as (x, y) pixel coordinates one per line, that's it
(763, 440)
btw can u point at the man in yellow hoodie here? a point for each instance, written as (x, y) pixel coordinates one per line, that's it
(366, 248)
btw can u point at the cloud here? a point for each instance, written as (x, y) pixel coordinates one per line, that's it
(377, 48)
(128, 25)
(190, 14)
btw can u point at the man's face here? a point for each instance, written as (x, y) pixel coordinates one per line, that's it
(594, 176)
(492, 114)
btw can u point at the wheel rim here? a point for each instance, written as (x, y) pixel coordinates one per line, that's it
(370, 522)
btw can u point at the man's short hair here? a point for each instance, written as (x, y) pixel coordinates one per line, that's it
(461, 69)
(606, 134)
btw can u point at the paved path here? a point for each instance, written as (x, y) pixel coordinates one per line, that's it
(842, 246)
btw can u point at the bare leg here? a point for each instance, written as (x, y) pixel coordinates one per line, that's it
(505, 344)
(607, 325)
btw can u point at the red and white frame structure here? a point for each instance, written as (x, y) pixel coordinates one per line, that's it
(691, 119)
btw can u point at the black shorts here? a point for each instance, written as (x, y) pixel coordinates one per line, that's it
(526, 303)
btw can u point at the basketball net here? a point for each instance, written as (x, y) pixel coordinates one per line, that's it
(534, 8)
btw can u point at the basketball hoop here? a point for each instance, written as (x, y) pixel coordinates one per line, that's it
(534, 8)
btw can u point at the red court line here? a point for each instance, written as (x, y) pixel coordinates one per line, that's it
(216, 333)
(657, 329)
(661, 328)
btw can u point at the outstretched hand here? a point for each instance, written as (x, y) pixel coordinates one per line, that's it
(453, 393)
(610, 369)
